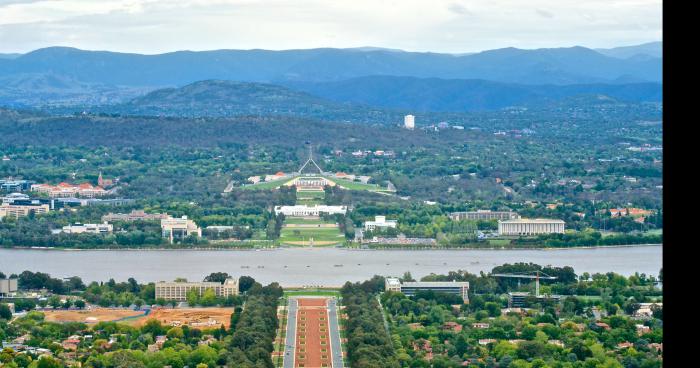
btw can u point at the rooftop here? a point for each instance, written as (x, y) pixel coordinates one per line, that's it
(537, 220)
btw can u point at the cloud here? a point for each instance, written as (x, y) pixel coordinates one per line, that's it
(459, 9)
(544, 13)
(150, 26)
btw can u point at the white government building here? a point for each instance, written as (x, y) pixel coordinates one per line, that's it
(315, 210)
(178, 228)
(178, 290)
(530, 226)
(380, 222)
(104, 228)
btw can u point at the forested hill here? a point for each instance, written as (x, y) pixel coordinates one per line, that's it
(434, 94)
(375, 99)
(216, 98)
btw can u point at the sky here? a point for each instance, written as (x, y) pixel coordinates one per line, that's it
(450, 26)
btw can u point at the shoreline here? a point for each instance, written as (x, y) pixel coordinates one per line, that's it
(339, 248)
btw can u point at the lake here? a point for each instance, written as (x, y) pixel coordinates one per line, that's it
(317, 266)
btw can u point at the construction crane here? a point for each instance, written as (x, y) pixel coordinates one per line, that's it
(537, 276)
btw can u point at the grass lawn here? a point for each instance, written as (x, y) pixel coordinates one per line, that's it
(499, 242)
(320, 235)
(266, 185)
(300, 220)
(354, 185)
(312, 292)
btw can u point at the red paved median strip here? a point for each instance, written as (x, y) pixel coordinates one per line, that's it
(313, 347)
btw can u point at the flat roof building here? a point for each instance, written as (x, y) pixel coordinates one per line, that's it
(484, 215)
(304, 210)
(21, 210)
(7, 286)
(380, 222)
(178, 290)
(103, 228)
(135, 215)
(530, 226)
(179, 228)
(413, 287)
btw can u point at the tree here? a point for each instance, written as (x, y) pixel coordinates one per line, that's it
(217, 277)
(245, 283)
(208, 298)
(80, 304)
(5, 312)
(55, 301)
(192, 297)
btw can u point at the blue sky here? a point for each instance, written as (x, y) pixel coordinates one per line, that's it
(455, 26)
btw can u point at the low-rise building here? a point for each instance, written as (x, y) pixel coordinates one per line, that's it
(16, 210)
(179, 228)
(380, 222)
(14, 185)
(410, 288)
(66, 190)
(178, 290)
(104, 228)
(530, 226)
(305, 211)
(484, 215)
(135, 215)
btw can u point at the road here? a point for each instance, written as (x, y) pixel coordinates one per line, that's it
(334, 329)
(288, 361)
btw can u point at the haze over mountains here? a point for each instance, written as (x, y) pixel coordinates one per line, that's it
(369, 76)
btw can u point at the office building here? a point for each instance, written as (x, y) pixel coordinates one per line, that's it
(12, 185)
(380, 222)
(409, 122)
(178, 290)
(411, 288)
(135, 215)
(179, 228)
(7, 286)
(530, 226)
(17, 210)
(103, 228)
(484, 215)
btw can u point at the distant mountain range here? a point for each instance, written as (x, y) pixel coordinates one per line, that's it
(434, 94)
(573, 65)
(643, 51)
(332, 78)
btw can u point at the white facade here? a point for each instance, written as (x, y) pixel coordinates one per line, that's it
(173, 228)
(409, 122)
(303, 210)
(530, 227)
(380, 222)
(103, 228)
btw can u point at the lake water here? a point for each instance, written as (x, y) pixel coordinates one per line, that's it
(319, 266)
